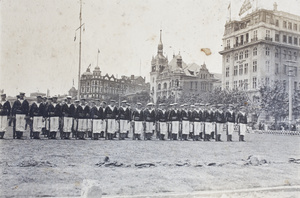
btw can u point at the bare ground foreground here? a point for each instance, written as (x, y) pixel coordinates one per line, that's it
(57, 168)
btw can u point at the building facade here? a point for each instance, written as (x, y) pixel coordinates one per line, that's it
(175, 78)
(94, 85)
(262, 47)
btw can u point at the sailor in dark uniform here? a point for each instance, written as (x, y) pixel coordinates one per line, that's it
(162, 119)
(129, 129)
(77, 111)
(54, 114)
(104, 122)
(45, 103)
(195, 120)
(149, 118)
(111, 113)
(220, 121)
(230, 119)
(174, 118)
(242, 121)
(20, 111)
(97, 117)
(185, 122)
(123, 119)
(68, 110)
(37, 115)
(213, 128)
(5, 109)
(138, 122)
(208, 119)
(89, 121)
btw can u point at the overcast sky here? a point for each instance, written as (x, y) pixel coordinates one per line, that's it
(38, 51)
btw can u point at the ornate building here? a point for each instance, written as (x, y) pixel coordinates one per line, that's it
(94, 85)
(175, 78)
(259, 48)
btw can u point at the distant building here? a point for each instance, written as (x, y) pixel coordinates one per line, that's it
(175, 78)
(73, 92)
(35, 94)
(94, 85)
(259, 48)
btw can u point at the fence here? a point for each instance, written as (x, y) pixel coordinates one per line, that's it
(277, 132)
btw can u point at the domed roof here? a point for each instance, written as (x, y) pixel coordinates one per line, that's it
(97, 68)
(87, 73)
(72, 89)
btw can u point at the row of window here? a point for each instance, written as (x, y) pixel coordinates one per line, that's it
(287, 39)
(288, 25)
(100, 90)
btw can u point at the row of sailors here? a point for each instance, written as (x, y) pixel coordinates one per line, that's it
(198, 121)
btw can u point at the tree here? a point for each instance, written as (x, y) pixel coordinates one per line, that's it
(274, 100)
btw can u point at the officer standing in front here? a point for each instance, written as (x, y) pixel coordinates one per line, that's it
(20, 111)
(5, 109)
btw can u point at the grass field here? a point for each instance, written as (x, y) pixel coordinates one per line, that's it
(58, 167)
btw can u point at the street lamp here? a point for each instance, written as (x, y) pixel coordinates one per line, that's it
(290, 74)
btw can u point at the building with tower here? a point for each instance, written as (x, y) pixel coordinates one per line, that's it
(263, 46)
(170, 80)
(96, 86)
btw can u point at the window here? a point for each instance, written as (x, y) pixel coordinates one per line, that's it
(235, 84)
(227, 71)
(254, 66)
(290, 25)
(295, 85)
(159, 87)
(236, 56)
(276, 53)
(235, 71)
(191, 85)
(255, 35)
(284, 38)
(276, 68)
(267, 80)
(284, 24)
(255, 51)
(290, 40)
(228, 43)
(277, 37)
(165, 85)
(246, 84)
(254, 83)
(268, 66)
(295, 41)
(241, 55)
(284, 53)
(246, 53)
(227, 85)
(295, 56)
(240, 83)
(277, 23)
(241, 69)
(295, 27)
(227, 58)
(237, 41)
(290, 55)
(284, 85)
(267, 51)
(246, 68)
(285, 69)
(268, 33)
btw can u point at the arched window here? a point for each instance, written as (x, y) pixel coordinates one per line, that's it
(236, 56)
(255, 51)
(159, 87)
(276, 53)
(165, 85)
(284, 53)
(290, 55)
(177, 83)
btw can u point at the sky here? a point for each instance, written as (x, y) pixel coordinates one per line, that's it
(38, 51)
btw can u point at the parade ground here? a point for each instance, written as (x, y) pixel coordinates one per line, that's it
(58, 168)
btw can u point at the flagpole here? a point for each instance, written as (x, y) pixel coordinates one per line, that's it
(98, 57)
(80, 19)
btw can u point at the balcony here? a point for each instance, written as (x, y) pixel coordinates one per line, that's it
(254, 39)
(227, 48)
(268, 38)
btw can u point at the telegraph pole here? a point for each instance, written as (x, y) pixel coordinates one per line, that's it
(291, 70)
(79, 68)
